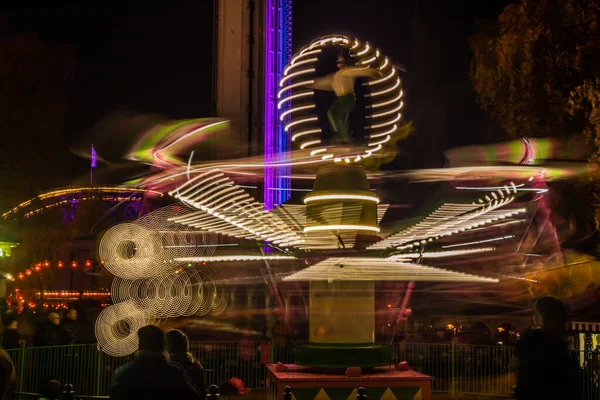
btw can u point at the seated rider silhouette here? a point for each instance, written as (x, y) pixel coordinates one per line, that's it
(342, 83)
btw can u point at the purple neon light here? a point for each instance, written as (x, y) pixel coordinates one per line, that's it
(270, 113)
(94, 157)
(276, 141)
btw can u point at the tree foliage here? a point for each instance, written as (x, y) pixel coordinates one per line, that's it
(535, 71)
(526, 65)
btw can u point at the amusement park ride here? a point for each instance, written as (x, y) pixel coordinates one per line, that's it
(331, 237)
(322, 217)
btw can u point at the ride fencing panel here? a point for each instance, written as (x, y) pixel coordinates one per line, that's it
(487, 370)
(454, 368)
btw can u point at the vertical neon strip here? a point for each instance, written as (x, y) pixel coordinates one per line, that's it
(270, 114)
(283, 148)
(277, 144)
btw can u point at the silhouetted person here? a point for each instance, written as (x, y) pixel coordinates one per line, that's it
(7, 376)
(86, 328)
(50, 333)
(71, 328)
(178, 347)
(50, 389)
(151, 375)
(10, 339)
(546, 371)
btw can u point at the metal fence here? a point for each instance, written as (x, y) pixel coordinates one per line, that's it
(483, 370)
(487, 370)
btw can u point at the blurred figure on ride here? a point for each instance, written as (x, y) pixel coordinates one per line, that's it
(151, 375)
(546, 370)
(7, 376)
(71, 328)
(178, 347)
(50, 333)
(50, 390)
(10, 339)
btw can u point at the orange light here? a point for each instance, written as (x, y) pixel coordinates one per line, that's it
(88, 263)
(21, 276)
(102, 262)
(389, 306)
(46, 264)
(27, 272)
(60, 264)
(73, 264)
(37, 268)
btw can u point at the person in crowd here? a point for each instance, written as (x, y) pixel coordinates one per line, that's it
(50, 333)
(178, 347)
(10, 339)
(546, 370)
(71, 328)
(7, 376)
(151, 375)
(86, 328)
(50, 389)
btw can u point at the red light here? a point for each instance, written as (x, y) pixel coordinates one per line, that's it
(21, 276)
(74, 264)
(28, 272)
(88, 263)
(60, 264)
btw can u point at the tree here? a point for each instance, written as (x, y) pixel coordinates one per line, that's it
(535, 72)
(34, 81)
(525, 67)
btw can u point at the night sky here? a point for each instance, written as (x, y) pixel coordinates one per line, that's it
(156, 57)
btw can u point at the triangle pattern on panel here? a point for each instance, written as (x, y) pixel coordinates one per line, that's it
(388, 395)
(407, 393)
(352, 395)
(322, 395)
(374, 393)
(339, 393)
(304, 393)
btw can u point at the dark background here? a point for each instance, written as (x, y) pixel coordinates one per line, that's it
(156, 57)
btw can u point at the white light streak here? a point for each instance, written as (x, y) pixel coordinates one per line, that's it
(381, 80)
(309, 143)
(341, 227)
(310, 199)
(295, 109)
(384, 91)
(300, 121)
(386, 123)
(293, 85)
(293, 74)
(479, 241)
(303, 133)
(237, 257)
(294, 96)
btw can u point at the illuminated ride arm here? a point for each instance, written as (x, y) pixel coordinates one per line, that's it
(343, 80)
(322, 83)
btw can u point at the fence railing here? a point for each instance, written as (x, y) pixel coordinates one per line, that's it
(454, 368)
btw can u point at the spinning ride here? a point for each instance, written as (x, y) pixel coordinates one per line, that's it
(335, 229)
